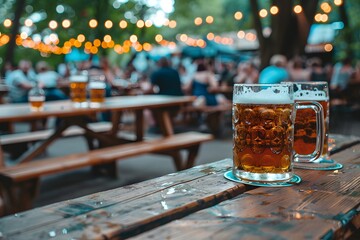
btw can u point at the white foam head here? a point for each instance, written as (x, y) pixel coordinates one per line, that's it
(97, 85)
(276, 94)
(36, 98)
(311, 91)
(316, 95)
(78, 78)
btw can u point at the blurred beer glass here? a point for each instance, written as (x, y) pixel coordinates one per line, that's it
(305, 122)
(97, 90)
(36, 98)
(78, 90)
(263, 123)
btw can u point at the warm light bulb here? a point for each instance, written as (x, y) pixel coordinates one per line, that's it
(93, 23)
(66, 23)
(238, 15)
(263, 13)
(108, 24)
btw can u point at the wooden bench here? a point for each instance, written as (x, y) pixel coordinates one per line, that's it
(40, 135)
(17, 143)
(214, 116)
(20, 183)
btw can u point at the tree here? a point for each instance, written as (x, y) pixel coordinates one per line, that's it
(289, 31)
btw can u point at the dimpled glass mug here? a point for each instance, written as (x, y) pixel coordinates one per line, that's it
(263, 131)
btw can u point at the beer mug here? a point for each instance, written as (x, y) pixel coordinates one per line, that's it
(305, 121)
(36, 98)
(263, 131)
(97, 90)
(78, 87)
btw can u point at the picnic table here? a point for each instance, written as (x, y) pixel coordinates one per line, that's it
(19, 184)
(72, 116)
(199, 203)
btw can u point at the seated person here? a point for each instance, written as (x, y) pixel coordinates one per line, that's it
(276, 72)
(166, 79)
(48, 81)
(20, 81)
(199, 84)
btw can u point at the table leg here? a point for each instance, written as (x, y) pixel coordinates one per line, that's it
(139, 114)
(164, 120)
(30, 154)
(115, 119)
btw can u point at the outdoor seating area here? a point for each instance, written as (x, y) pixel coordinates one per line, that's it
(129, 119)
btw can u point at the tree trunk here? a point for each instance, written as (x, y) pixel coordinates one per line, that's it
(289, 31)
(9, 55)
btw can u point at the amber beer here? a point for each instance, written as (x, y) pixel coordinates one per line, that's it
(262, 137)
(36, 103)
(305, 121)
(78, 86)
(97, 92)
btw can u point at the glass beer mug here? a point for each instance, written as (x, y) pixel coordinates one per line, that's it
(97, 90)
(305, 125)
(263, 132)
(78, 90)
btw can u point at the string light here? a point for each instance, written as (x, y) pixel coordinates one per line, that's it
(28, 22)
(158, 38)
(108, 24)
(338, 2)
(107, 38)
(183, 37)
(148, 23)
(133, 38)
(274, 10)
(297, 9)
(53, 24)
(325, 7)
(210, 36)
(238, 15)
(81, 38)
(52, 39)
(93, 23)
(7, 23)
(198, 21)
(123, 24)
(328, 47)
(172, 24)
(140, 24)
(209, 19)
(263, 13)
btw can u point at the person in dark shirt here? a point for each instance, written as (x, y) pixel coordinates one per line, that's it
(166, 79)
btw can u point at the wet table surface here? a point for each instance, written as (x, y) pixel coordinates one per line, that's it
(199, 203)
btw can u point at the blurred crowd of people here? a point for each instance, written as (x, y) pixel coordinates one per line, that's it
(179, 76)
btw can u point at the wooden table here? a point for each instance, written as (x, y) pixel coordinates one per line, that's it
(159, 105)
(199, 203)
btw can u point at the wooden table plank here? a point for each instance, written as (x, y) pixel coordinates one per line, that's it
(136, 208)
(325, 205)
(21, 111)
(128, 209)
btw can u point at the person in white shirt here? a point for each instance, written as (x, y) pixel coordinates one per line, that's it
(48, 80)
(20, 81)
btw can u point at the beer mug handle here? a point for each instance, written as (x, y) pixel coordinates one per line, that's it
(320, 131)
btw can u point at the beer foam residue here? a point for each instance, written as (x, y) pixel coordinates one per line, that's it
(265, 96)
(78, 78)
(316, 95)
(97, 85)
(36, 98)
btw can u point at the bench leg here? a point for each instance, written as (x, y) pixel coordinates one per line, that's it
(193, 152)
(19, 197)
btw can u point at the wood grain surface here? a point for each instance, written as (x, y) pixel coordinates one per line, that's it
(199, 203)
